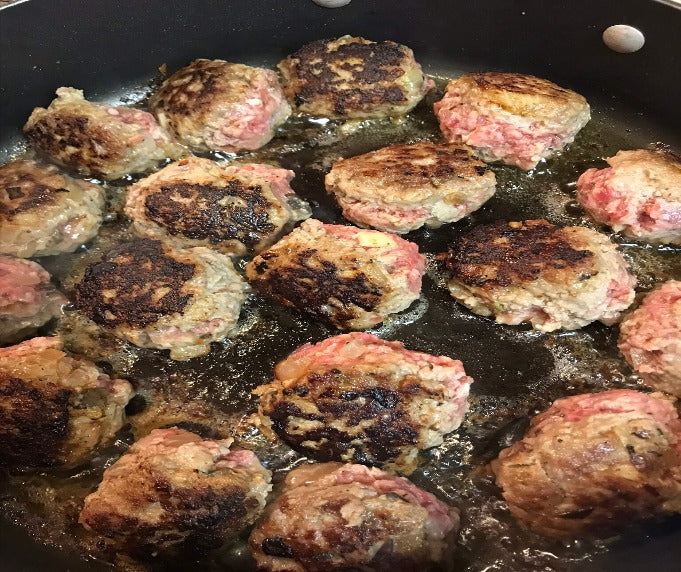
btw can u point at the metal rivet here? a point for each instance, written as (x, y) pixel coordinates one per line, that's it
(623, 39)
(331, 3)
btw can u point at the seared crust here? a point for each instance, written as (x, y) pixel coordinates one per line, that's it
(353, 77)
(504, 254)
(235, 209)
(34, 421)
(136, 284)
(43, 212)
(524, 95)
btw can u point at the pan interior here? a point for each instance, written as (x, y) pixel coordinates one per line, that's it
(517, 371)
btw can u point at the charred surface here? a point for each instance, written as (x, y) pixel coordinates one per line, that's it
(502, 254)
(136, 284)
(22, 190)
(236, 211)
(34, 422)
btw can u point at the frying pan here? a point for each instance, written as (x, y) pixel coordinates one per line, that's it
(114, 48)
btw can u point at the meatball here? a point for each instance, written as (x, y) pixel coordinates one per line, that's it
(352, 278)
(55, 409)
(591, 464)
(638, 195)
(155, 296)
(403, 187)
(355, 397)
(43, 212)
(353, 78)
(98, 139)
(650, 338)
(350, 517)
(216, 105)
(513, 118)
(234, 209)
(173, 490)
(533, 271)
(27, 298)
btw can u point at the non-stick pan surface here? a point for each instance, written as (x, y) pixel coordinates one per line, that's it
(112, 50)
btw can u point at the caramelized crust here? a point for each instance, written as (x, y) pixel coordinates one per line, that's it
(504, 254)
(136, 284)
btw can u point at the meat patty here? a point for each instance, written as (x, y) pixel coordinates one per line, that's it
(591, 464)
(98, 139)
(638, 195)
(155, 296)
(360, 399)
(353, 78)
(350, 517)
(509, 117)
(173, 490)
(533, 271)
(403, 187)
(216, 105)
(349, 277)
(235, 209)
(27, 298)
(55, 409)
(43, 212)
(650, 338)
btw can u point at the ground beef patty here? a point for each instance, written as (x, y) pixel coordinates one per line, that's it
(155, 296)
(591, 464)
(27, 298)
(173, 490)
(349, 277)
(650, 338)
(235, 209)
(350, 517)
(216, 105)
(43, 212)
(403, 187)
(509, 117)
(360, 399)
(638, 195)
(533, 271)
(55, 409)
(98, 139)
(353, 78)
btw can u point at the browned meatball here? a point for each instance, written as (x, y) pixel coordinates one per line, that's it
(43, 212)
(510, 117)
(358, 398)
(351, 78)
(235, 209)
(156, 296)
(174, 490)
(350, 277)
(403, 187)
(533, 271)
(98, 139)
(55, 409)
(217, 105)
(591, 464)
(350, 517)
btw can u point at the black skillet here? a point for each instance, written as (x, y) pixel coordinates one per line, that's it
(113, 49)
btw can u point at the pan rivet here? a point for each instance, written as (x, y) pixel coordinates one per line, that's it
(331, 3)
(623, 39)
